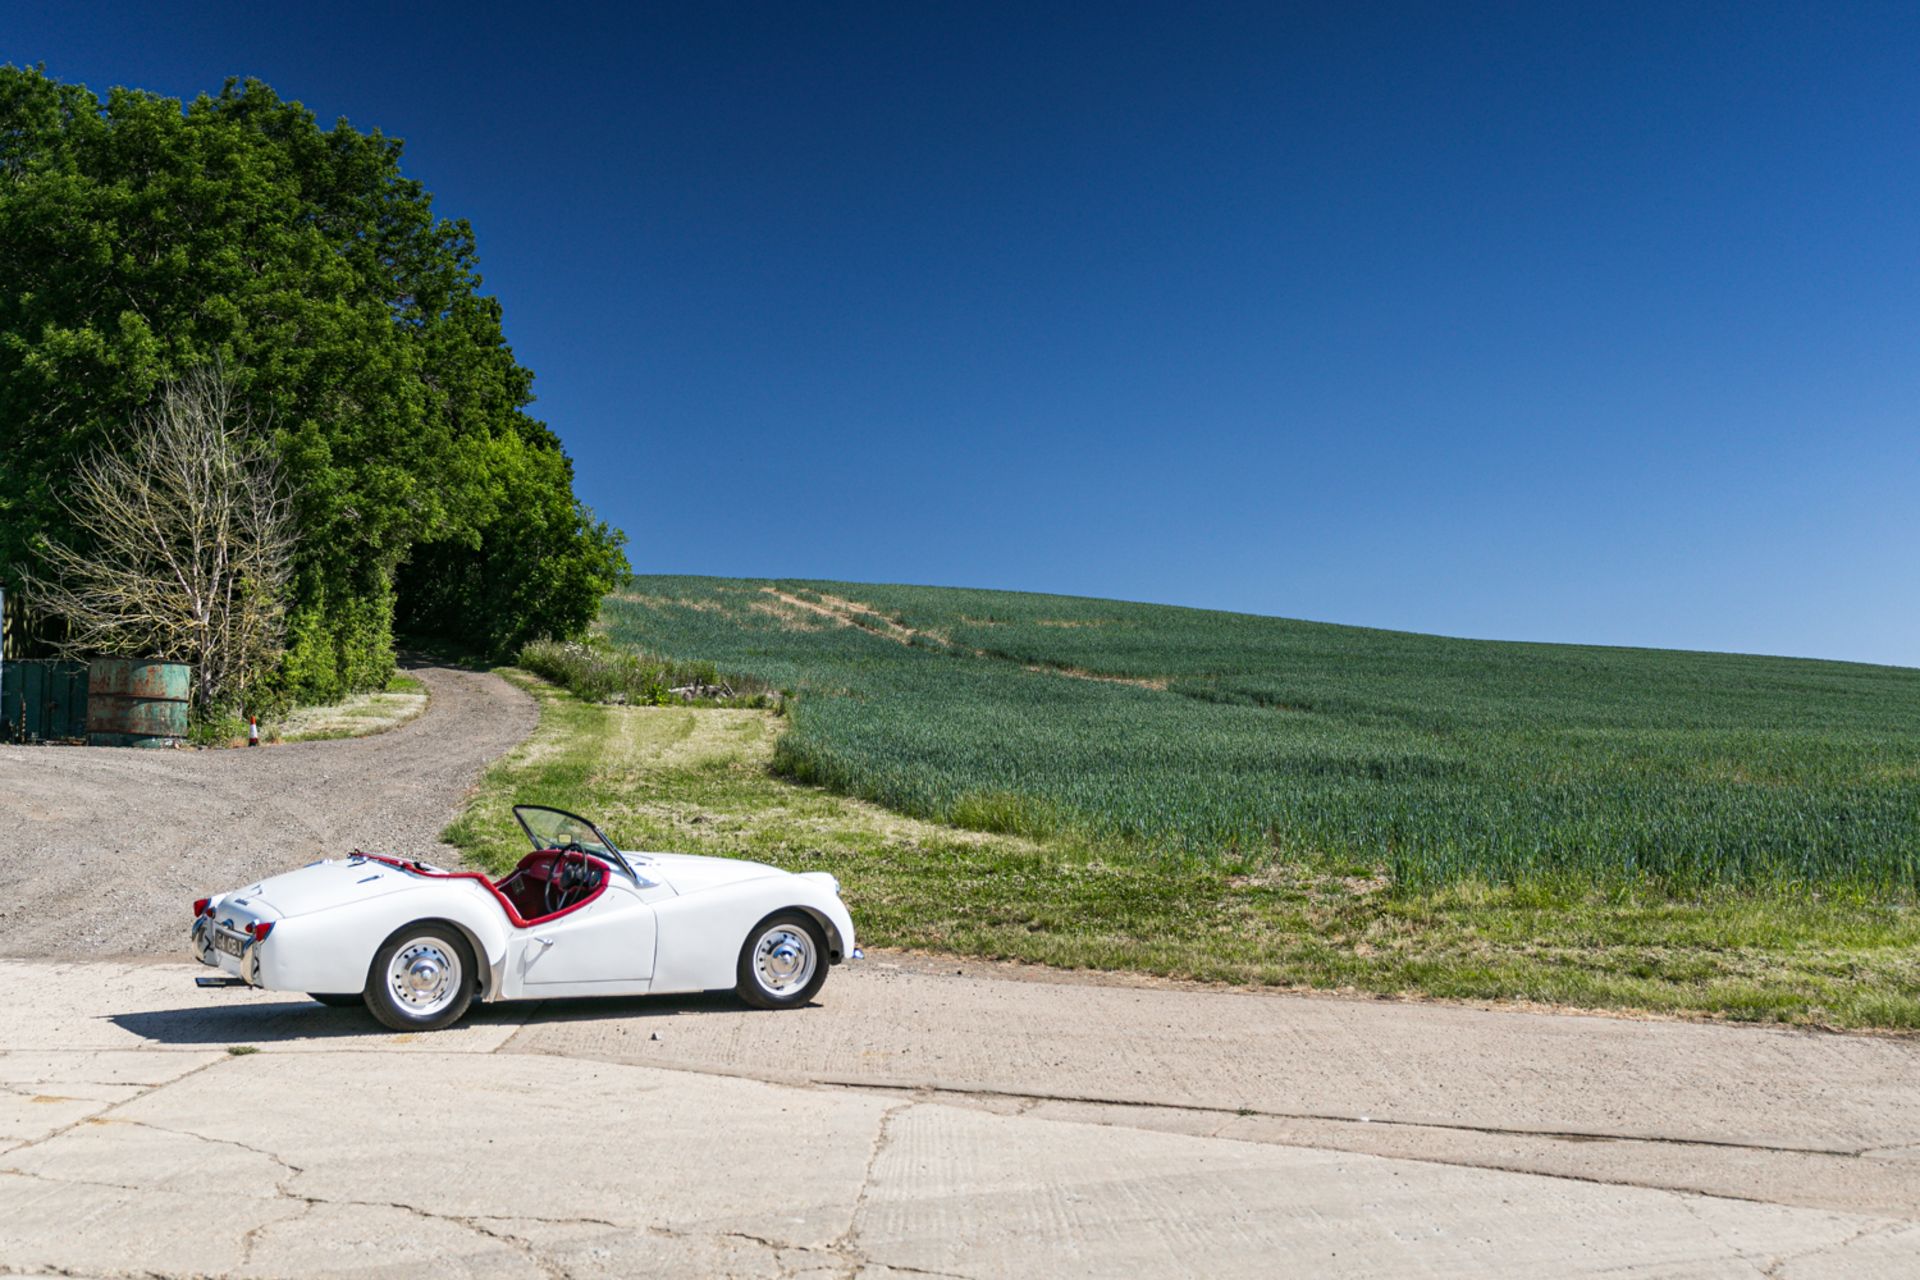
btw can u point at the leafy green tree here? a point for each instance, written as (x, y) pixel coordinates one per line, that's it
(539, 569)
(140, 239)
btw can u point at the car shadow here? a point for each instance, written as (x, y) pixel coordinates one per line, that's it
(255, 1023)
(601, 1008)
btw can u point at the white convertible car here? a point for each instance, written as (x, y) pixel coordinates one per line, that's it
(577, 917)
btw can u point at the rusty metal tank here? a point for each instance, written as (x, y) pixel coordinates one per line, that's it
(134, 702)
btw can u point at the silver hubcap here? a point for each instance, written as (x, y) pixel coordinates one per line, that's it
(424, 977)
(783, 960)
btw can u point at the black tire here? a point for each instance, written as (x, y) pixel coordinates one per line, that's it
(436, 945)
(761, 986)
(340, 999)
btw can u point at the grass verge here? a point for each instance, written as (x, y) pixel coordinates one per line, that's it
(697, 780)
(362, 714)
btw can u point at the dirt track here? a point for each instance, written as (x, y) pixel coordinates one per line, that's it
(102, 851)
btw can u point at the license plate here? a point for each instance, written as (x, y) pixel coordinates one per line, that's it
(231, 943)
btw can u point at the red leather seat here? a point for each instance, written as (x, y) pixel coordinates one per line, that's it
(522, 891)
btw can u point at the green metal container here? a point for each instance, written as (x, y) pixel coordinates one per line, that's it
(132, 702)
(42, 699)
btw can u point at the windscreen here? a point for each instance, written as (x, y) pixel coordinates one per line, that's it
(554, 829)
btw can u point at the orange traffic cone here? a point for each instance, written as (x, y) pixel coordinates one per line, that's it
(253, 731)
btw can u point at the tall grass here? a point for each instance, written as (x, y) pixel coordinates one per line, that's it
(604, 674)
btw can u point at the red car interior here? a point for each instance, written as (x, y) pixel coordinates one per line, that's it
(522, 893)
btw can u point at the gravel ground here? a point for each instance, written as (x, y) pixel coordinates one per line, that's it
(103, 850)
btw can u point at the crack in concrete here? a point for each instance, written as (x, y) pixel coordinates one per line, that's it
(1773, 1269)
(805, 1257)
(845, 1253)
(473, 1222)
(1896, 1150)
(1032, 1098)
(35, 1089)
(842, 1253)
(70, 1081)
(1218, 1133)
(1690, 1206)
(53, 1269)
(1201, 1108)
(544, 1265)
(846, 1245)
(146, 1091)
(251, 1240)
(80, 1182)
(280, 1185)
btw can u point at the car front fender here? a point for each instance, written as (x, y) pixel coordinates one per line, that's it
(700, 934)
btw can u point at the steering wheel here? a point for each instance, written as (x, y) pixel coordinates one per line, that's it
(564, 875)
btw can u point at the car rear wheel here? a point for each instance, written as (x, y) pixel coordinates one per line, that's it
(783, 961)
(339, 999)
(421, 979)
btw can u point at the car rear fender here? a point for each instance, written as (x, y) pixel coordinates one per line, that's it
(332, 950)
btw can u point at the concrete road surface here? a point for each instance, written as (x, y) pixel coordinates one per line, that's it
(916, 1121)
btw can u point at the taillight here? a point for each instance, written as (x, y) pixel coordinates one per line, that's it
(200, 906)
(260, 929)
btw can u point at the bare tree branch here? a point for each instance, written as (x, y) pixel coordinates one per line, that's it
(190, 544)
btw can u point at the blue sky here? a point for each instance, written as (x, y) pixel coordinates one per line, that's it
(1591, 324)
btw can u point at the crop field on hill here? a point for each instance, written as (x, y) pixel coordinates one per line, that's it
(1249, 741)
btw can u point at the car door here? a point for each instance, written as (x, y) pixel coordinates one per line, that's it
(604, 948)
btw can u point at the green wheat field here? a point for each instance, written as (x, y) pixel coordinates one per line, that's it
(1172, 732)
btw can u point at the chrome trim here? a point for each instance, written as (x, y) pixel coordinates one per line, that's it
(424, 976)
(783, 960)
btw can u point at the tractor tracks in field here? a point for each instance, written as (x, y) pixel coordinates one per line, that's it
(851, 613)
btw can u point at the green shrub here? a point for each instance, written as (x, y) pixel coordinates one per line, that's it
(600, 673)
(215, 731)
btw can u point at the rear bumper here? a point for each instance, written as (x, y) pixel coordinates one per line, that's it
(244, 967)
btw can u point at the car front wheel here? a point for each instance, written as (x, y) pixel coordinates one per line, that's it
(783, 961)
(421, 979)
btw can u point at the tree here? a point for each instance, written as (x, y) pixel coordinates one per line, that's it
(539, 569)
(188, 545)
(140, 238)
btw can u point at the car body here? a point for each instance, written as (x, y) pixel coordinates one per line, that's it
(577, 917)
